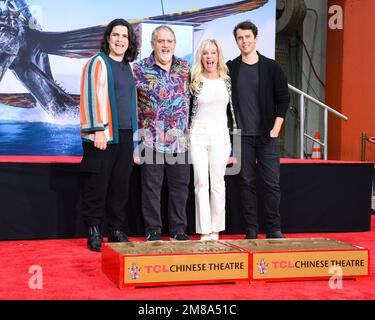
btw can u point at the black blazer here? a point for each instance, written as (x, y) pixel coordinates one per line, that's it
(273, 91)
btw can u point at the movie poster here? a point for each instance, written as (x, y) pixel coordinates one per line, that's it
(44, 45)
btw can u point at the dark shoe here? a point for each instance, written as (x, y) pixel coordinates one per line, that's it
(117, 236)
(179, 237)
(275, 235)
(251, 234)
(154, 236)
(95, 239)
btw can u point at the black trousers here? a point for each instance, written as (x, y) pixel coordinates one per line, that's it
(260, 158)
(178, 177)
(105, 176)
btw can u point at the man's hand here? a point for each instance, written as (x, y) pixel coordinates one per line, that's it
(100, 140)
(274, 133)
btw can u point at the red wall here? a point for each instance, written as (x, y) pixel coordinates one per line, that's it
(350, 80)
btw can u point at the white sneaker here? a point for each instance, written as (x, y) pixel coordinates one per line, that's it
(205, 237)
(214, 236)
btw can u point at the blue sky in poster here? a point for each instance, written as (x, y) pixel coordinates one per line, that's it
(72, 14)
(81, 13)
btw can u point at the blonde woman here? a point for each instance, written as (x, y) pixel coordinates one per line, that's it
(209, 137)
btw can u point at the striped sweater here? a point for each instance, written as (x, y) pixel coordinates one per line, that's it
(98, 101)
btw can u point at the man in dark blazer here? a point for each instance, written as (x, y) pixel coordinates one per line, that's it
(261, 100)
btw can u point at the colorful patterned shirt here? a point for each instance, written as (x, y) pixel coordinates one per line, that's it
(163, 104)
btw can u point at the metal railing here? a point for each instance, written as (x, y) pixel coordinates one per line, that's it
(324, 144)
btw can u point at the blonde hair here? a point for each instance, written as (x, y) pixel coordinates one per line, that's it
(198, 69)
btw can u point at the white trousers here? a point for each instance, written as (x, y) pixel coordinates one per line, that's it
(209, 150)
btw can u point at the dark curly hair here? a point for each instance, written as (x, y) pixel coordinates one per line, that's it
(132, 51)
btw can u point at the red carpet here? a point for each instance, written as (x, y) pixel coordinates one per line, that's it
(71, 272)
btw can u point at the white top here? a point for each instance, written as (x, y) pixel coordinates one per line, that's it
(212, 103)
